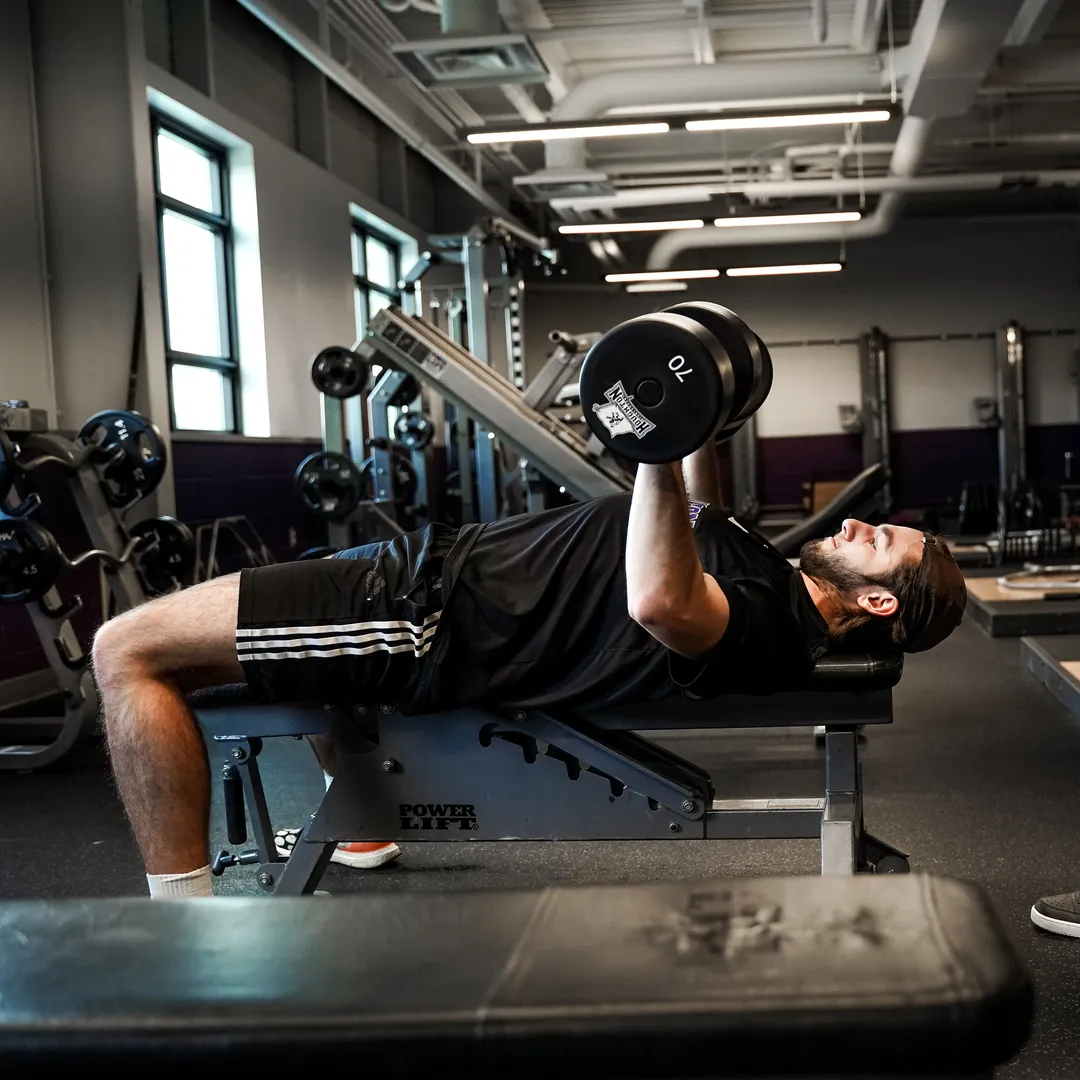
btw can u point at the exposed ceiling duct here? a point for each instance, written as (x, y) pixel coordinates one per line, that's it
(734, 83)
(953, 46)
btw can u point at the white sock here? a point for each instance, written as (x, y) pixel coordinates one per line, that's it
(180, 886)
(329, 780)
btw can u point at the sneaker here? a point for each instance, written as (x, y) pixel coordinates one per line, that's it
(1058, 914)
(357, 855)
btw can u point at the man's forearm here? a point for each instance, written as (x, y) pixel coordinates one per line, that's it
(701, 472)
(662, 565)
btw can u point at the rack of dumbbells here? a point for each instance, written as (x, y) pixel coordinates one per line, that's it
(117, 459)
(382, 489)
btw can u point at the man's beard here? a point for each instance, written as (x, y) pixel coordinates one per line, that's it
(829, 570)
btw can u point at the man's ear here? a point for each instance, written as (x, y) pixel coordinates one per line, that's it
(878, 602)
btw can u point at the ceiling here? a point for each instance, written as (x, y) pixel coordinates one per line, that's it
(995, 83)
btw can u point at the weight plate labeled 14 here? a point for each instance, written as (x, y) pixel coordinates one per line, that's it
(653, 389)
(166, 557)
(130, 451)
(329, 484)
(30, 561)
(339, 372)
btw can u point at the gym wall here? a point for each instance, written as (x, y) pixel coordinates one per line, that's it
(926, 279)
(77, 198)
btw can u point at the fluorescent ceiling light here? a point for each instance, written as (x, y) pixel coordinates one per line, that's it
(658, 286)
(629, 226)
(789, 219)
(645, 196)
(789, 268)
(742, 123)
(541, 133)
(664, 275)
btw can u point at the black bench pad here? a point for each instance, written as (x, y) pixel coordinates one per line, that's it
(744, 977)
(842, 673)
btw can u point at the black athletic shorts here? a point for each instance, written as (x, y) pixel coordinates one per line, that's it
(360, 626)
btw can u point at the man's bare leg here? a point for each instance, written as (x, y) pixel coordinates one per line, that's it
(145, 661)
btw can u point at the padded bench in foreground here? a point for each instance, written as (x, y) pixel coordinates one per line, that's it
(863, 976)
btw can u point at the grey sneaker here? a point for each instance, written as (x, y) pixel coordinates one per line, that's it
(1058, 914)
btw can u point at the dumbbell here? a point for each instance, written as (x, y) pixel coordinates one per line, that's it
(655, 388)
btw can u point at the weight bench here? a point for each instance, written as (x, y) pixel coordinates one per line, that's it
(801, 976)
(531, 774)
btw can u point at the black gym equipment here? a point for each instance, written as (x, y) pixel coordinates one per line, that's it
(329, 484)
(7, 464)
(414, 431)
(339, 372)
(165, 556)
(654, 388)
(492, 773)
(859, 496)
(130, 454)
(741, 977)
(122, 461)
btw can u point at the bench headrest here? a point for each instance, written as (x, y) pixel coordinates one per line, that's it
(857, 671)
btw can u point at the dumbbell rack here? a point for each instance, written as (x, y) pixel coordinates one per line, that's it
(51, 615)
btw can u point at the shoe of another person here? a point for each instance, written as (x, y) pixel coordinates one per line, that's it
(357, 855)
(1058, 914)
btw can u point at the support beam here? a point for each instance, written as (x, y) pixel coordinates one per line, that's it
(189, 25)
(1032, 21)
(529, 17)
(866, 25)
(953, 46)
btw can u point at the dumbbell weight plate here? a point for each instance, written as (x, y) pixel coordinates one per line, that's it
(406, 393)
(30, 561)
(414, 431)
(131, 451)
(7, 465)
(329, 484)
(339, 372)
(749, 357)
(168, 555)
(654, 388)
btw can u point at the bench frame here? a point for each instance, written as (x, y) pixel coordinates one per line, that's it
(532, 775)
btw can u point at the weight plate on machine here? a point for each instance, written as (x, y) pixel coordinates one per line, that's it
(405, 478)
(654, 388)
(414, 431)
(406, 393)
(131, 451)
(30, 561)
(749, 357)
(339, 372)
(7, 464)
(329, 484)
(168, 555)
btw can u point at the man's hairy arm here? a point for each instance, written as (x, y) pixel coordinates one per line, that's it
(701, 471)
(668, 592)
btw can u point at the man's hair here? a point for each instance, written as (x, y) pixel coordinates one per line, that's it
(861, 631)
(930, 595)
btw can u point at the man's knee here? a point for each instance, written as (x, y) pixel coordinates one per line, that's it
(119, 645)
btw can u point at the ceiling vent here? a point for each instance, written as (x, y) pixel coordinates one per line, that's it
(563, 184)
(470, 63)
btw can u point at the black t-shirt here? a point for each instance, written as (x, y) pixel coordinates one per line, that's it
(536, 614)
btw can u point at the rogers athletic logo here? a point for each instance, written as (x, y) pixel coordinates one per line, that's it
(620, 415)
(438, 817)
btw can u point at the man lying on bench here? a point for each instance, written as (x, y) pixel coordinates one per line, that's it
(618, 600)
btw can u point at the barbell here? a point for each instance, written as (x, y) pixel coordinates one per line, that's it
(656, 387)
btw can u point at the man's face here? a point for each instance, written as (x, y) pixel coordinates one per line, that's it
(858, 556)
(872, 551)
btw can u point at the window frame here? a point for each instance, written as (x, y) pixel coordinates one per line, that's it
(221, 225)
(361, 231)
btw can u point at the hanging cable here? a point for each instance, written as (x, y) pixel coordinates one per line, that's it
(892, 53)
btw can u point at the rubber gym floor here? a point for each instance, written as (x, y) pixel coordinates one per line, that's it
(978, 778)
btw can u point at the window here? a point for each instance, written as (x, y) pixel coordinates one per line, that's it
(377, 270)
(195, 241)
